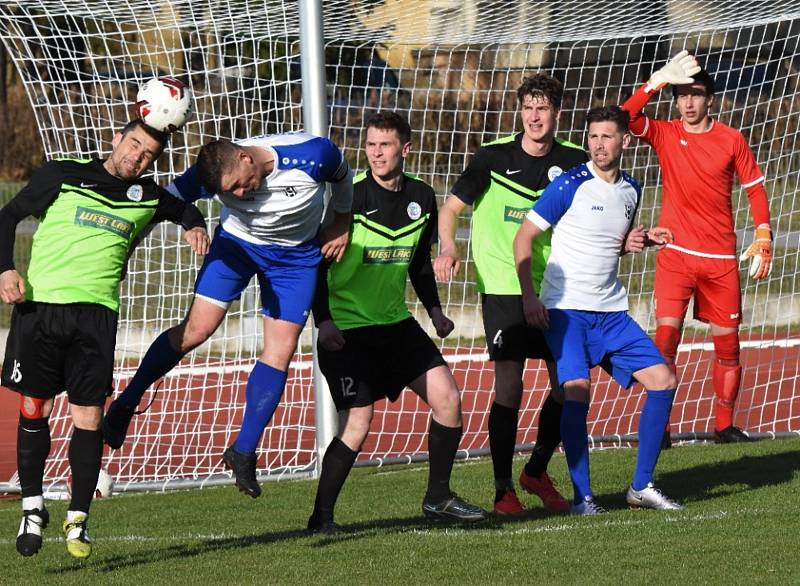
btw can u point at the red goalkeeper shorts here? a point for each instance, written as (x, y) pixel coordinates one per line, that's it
(713, 282)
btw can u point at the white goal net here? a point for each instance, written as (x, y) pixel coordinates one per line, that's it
(452, 67)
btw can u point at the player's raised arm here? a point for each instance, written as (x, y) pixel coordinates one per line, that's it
(448, 263)
(679, 70)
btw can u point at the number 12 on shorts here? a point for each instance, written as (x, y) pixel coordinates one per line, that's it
(347, 386)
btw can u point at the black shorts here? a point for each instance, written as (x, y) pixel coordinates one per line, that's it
(508, 336)
(377, 362)
(53, 348)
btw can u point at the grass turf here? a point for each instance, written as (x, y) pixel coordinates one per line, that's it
(740, 526)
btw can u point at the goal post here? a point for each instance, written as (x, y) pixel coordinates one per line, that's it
(452, 67)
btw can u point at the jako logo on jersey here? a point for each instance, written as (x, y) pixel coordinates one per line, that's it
(684, 143)
(554, 172)
(16, 373)
(135, 193)
(414, 210)
(290, 191)
(628, 211)
(104, 221)
(387, 254)
(516, 215)
(597, 208)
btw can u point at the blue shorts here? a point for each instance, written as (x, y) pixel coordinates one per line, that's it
(287, 275)
(581, 340)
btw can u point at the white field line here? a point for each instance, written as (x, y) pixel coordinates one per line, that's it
(584, 523)
(579, 524)
(307, 363)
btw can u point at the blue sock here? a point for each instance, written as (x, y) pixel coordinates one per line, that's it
(575, 439)
(158, 361)
(654, 417)
(264, 391)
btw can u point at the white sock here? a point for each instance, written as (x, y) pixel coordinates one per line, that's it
(33, 524)
(33, 502)
(75, 515)
(75, 532)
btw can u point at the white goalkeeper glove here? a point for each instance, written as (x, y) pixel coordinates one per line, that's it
(760, 253)
(679, 70)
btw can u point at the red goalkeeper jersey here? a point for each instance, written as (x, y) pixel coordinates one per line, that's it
(697, 172)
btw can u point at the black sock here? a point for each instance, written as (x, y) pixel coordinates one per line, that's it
(336, 465)
(33, 447)
(502, 438)
(547, 439)
(442, 447)
(85, 455)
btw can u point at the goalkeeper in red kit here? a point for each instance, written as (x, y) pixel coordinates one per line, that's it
(699, 157)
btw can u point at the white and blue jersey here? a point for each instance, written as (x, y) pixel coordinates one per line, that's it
(591, 219)
(587, 304)
(271, 232)
(287, 208)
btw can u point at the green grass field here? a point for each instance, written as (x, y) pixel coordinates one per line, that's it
(740, 526)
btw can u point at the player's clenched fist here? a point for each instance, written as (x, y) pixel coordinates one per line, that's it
(760, 253)
(443, 324)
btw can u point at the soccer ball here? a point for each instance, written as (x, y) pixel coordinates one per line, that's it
(105, 484)
(164, 104)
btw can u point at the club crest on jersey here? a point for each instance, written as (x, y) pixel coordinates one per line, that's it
(554, 172)
(414, 210)
(135, 192)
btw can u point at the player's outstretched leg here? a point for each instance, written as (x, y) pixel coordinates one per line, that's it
(336, 466)
(33, 446)
(264, 390)
(159, 359)
(534, 478)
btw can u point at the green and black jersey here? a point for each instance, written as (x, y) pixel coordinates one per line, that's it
(391, 237)
(88, 221)
(502, 183)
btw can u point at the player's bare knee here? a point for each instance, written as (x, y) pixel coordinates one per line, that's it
(86, 417)
(508, 393)
(577, 390)
(355, 431)
(191, 334)
(446, 406)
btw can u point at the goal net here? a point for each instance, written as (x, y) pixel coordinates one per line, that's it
(452, 67)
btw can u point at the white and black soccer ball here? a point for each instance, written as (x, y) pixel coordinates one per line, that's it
(105, 485)
(164, 104)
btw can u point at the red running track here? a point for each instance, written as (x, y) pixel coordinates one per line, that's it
(199, 423)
